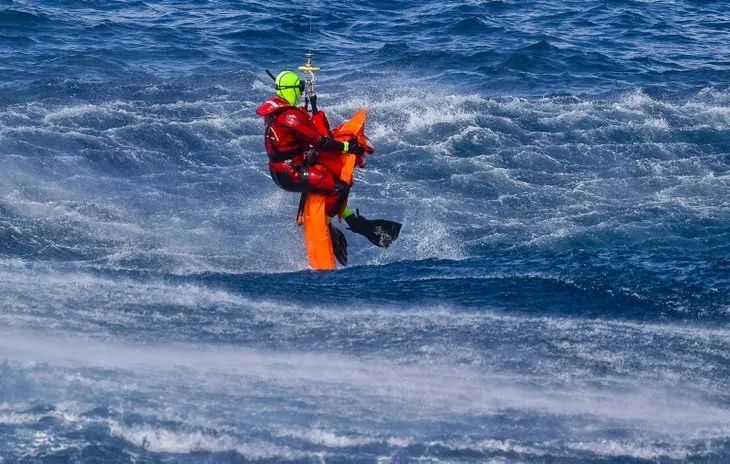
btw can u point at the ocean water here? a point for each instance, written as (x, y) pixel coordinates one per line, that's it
(560, 291)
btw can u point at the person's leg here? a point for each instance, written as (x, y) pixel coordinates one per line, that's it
(286, 176)
(318, 179)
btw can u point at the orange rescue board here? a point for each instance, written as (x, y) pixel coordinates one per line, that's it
(316, 228)
(317, 234)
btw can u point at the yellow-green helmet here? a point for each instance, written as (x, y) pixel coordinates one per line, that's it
(289, 86)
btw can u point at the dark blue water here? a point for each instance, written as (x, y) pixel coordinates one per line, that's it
(560, 291)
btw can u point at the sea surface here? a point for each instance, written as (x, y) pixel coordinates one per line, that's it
(560, 291)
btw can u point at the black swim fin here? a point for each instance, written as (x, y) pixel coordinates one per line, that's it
(339, 244)
(380, 232)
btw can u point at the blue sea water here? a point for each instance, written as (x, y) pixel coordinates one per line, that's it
(560, 291)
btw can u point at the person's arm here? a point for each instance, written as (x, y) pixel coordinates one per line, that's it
(326, 143)
(301, 124)
(298, 121)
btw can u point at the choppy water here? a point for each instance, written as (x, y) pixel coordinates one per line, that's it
(560, 291)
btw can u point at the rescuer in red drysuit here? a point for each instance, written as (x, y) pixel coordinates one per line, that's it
(292, 140)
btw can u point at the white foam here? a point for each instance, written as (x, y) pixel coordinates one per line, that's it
(161, 440)
(63, 114)
(439, 388)
(328, 438)
(657, 123)
(436, 242)
(648, 451)
(502, 446)
(13, 418)
(257, 84)
(424, 387)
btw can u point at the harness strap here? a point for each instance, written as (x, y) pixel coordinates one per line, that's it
(300, 211)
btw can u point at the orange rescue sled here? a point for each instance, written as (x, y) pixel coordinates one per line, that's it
(317, 233)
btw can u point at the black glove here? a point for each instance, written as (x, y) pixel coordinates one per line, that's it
(326, 143)
(355, 148)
